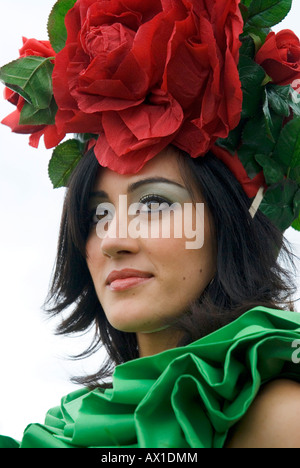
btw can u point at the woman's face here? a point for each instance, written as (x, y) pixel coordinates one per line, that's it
(145, 282)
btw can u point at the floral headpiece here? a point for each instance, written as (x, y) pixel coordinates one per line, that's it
(130, 77)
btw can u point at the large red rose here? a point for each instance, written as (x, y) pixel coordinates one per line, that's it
(143, 74)
(280, 57)
(31, 47)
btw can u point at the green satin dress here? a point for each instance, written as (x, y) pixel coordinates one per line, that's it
(185, 397)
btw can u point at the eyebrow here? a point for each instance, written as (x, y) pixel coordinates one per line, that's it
(135, 185)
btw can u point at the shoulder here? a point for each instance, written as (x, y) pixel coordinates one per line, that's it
(273, 420)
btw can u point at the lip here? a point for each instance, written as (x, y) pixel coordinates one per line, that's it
(127, 279)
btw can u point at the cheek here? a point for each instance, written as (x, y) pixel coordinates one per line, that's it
(93, 253)
(191, 270)
(177, 266)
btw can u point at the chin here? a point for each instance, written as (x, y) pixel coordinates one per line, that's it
(134, 325)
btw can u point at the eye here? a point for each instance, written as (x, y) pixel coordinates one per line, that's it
(103, 212)
(95, 217)
(153, 203)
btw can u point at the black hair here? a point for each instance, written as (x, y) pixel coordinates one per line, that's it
(248, 272)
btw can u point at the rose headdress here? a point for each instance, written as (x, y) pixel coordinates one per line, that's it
(130, 77)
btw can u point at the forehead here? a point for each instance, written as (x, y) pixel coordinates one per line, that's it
(163, 165)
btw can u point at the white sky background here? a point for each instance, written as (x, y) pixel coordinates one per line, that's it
(34, 371)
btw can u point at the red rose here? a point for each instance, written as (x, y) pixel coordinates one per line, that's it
(280, 57)
(52, 138)
(143, 74)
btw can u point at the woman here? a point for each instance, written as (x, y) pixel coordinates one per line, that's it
(206, 354)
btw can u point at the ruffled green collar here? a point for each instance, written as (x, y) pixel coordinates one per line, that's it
(182, 398)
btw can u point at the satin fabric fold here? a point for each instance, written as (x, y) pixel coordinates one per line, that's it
(185, 397)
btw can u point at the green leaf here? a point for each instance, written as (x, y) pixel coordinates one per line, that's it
(31, 77)
(296, 224)
(272, 171)
(268, 117)
(294, 174)
(232, 142)
(258, 42)
(260, 144)
(295, 107)
(18, 90)
(32, 116)
(267, 13)
(287, 150)
(244, 11)
(252, 77)
(83, 139)
(246, 2)
(63, 162)
(253, 31)
(294, 98)
(247, 158)
(278, 204)
(297, 204)
(278, 98)
(247, 47)
(255, 134)
(56, 24)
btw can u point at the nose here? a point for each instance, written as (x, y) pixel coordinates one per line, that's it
(116, 246)
(117, 240)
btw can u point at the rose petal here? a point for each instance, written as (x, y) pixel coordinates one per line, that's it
(35, 47)
(77, 122)
(12, 121)
(133, 161)
(161, 117)
(188, 56)
(61, 91)
(193, 140)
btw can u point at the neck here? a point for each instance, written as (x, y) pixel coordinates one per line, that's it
(156, 342)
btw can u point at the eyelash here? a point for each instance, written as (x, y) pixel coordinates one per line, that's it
(94, 218)
(151, 198)
(158, 200)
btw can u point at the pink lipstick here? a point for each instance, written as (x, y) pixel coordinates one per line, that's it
(127, 279)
